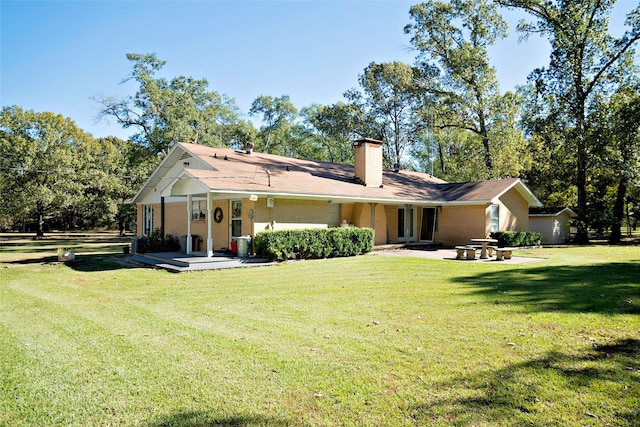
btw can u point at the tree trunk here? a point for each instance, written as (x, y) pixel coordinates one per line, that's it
(618, 212)
(485, 143)
(40, 232)
(441, 156)
(121, 226)
(582, 234)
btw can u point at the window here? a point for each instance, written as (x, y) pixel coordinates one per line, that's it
(405, 224)
(198, 210)
(147, 220)
(495, 218)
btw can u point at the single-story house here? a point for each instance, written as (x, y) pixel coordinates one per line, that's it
(553, 223)
(220, 194)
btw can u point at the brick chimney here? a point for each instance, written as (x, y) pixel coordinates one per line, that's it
(368, 161)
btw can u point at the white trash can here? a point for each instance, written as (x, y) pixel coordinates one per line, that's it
(243, 246)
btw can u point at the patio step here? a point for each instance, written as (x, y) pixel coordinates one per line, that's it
(182, 262)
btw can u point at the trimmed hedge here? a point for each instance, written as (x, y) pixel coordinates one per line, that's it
(516, 238)
(313, 243)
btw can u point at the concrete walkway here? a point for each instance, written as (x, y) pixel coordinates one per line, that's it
(179, 262)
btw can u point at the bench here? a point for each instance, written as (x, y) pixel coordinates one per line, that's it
(469, 250)
(504, 253)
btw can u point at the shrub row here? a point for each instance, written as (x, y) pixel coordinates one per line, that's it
(517, 238)
(313, 243)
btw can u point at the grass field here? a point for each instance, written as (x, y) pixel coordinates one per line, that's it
(365, 341)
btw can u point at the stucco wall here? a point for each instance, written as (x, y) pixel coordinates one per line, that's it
(458, 224)
(392, 223)
(361, 217)
(554, 229)
(514, 212)
(346, 211)
(175, 218)
(290, 214)
(139, 219)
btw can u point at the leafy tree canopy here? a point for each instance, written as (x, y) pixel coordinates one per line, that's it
(169, 111)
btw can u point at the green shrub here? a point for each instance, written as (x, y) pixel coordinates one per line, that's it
(155, 243)
(313, 243)
(517, 238)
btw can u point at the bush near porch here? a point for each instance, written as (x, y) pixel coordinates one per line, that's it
(315, 243)
(516, 238)
(156, 243)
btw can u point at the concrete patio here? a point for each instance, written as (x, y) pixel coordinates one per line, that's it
(196, 261)
(443, 254)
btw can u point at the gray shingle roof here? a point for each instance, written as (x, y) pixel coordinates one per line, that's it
(236, 171)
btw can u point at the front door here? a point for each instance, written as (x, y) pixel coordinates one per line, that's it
(406, 224)
(236, 219)
(428, 224)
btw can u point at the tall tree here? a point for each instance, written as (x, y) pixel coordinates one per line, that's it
(277, 115)
(550, 176)
(333, 127)
(168, 111)
(617, 128)
(41, 157)
(454, 36)
(391, 102)
(117, 168)
(585, 61)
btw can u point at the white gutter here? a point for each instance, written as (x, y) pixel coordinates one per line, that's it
(383, 200)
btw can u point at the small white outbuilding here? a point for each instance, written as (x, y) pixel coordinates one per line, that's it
(553, 223)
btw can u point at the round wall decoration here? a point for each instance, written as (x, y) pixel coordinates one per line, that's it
(217, 215)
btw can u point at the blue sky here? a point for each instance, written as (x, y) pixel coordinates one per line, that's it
(57, 55)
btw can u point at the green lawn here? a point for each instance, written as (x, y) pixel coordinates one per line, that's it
(366, 341)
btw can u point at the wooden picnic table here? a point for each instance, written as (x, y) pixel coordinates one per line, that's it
(485, 242)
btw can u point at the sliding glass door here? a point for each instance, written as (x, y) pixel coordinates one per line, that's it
(428, 224)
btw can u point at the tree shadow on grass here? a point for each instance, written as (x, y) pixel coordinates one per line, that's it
(568, 388)
(611, 288)
(94, 263)
(92, 253)
(85, 263)
(204, 419)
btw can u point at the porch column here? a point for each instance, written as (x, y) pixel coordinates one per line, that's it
(189, 199)
(209, 226)
(162, 218)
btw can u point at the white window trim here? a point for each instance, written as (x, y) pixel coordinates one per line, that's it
(198, 210)
(495, 219)
(147, 219)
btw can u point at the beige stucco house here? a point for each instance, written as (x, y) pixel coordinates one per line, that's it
(220, 194)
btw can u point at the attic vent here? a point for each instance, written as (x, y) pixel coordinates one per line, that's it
(185, 156)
